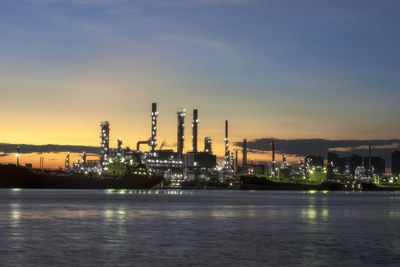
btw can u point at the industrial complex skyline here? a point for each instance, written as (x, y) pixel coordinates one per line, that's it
(286, 70)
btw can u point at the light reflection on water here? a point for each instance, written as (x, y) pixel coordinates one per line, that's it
(178, 227)
(148, 192)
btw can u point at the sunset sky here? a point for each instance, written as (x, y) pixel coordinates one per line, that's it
(273, 68)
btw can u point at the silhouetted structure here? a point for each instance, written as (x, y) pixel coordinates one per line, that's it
(273, 143)
(377, 164)
(396, 162)
(105, 143)
(226, 144)
(345, 163)
(181, 128)
(353, 162)
(195, 126)
(244, 163)
(153, 139)
(315, 161)
(208, 144)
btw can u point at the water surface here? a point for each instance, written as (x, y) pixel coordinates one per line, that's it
(197, 228)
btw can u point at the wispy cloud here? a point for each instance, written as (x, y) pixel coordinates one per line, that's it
(192, 40)
(215, 45)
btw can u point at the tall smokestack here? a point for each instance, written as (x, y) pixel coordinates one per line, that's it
(244, 163)
(195, 125)
(273, 143)
(226, 144)
(154, 115)
(181, 128)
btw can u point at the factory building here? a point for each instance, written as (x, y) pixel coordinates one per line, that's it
(173, 165)
(396, 162)
(376, 165)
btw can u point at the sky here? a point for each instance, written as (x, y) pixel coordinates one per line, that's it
(310, 69)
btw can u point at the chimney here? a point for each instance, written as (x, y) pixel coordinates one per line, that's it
(195, 126)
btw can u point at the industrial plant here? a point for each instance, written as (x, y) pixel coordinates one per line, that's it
(200, 167)
(178, 167)
(174, 166)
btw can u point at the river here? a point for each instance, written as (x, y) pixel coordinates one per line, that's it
(198, 228)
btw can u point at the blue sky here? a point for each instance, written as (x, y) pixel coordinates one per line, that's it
(288, 69)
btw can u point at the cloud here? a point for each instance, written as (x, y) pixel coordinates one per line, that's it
(215, 45)
(303, 147)
(192, 40)
(25, 149)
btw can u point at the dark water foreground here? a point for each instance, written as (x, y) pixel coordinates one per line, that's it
(197, 228)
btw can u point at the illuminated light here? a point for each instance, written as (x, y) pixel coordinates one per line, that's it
(312, 191)
(16, 189)
(109, 191)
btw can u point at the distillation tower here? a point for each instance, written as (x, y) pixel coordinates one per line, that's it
(154, 115)
(105, 144)
(208, 144)
(181, 128)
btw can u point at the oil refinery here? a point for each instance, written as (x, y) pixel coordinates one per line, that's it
(200, 167)
(174, 166)
(178, 167)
